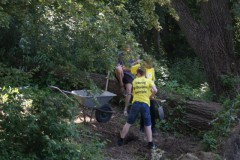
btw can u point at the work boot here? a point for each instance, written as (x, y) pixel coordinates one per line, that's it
(151, 145)
(120, 142)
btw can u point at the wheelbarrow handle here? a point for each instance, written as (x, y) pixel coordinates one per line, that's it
(55, 87)
(62, 91)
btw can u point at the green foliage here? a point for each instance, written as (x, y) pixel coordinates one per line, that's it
(92, 145)
(222, 124)
(62, 38)
(185, 78)
(38, 124)
(188, 71)
(230, 82)
(227, 81)
(175, 120)
(14, 77)
(186, 91)
(150, 16)
(210, 141)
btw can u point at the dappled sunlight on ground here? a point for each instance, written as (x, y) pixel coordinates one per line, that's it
(81, 120)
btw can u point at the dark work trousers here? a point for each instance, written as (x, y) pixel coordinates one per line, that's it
(152, 113)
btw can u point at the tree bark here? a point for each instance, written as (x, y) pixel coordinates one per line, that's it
(212, 40)
(197, 114)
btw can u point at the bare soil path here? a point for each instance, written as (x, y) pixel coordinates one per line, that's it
(135, 147)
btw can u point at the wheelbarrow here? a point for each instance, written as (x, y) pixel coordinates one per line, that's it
(96, 102)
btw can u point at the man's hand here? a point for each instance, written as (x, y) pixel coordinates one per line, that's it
(152, 97)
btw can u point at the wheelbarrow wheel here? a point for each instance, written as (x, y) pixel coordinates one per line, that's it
(103, 114)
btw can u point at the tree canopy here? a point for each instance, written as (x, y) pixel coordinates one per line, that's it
(54, 40)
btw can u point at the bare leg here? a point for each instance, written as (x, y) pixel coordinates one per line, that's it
(119, 74)
(128, 96)
(125, 130)
(149, 133)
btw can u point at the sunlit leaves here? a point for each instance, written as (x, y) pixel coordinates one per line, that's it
(164, 2)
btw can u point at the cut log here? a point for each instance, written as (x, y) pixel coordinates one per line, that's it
(197, 114)
(200, 114)
(206, 110)
(198, 122)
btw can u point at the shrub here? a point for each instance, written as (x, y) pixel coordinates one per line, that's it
(188, 72)
(38, 124)
(186, 91)
(13, 77)
(225, 119)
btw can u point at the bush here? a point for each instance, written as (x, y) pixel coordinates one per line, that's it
(13, 77)
(188, 72)
(223, 123)
(186, 91)
(38, 124)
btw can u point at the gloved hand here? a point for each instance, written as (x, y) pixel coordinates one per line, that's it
(125, 113)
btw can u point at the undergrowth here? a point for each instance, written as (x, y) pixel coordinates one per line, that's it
(38, 124)
(222, 124)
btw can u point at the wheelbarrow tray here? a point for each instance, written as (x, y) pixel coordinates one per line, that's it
(96, 100)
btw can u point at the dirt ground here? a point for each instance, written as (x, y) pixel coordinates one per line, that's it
(170, 146)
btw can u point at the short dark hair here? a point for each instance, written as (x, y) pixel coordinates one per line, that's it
(140, 71)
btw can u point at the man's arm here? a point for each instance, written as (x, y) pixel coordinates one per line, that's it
(154, 91)
(136, 62)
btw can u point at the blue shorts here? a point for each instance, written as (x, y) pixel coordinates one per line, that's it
(139, 107)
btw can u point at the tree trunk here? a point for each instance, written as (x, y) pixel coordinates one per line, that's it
(212, 40)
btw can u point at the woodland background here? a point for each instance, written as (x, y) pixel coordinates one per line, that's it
(195, 45)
